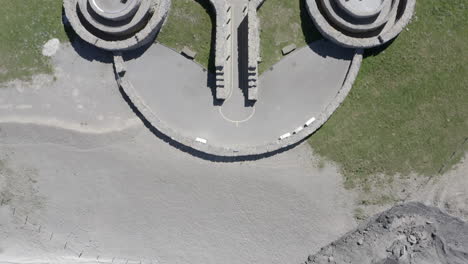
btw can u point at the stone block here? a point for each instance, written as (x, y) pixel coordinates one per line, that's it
(187, 52)
(288, 49)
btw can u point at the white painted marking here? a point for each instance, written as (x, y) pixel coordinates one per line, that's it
(201, 140)
(285, 136)
(310, 121)
(236, 121)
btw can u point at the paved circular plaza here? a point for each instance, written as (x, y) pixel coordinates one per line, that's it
(305, 87)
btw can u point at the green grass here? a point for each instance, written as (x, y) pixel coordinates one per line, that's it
(190, 23)
(25, 26)
(408, 110)
(283, 22)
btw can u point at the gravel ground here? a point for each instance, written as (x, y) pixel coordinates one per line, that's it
(82, 180)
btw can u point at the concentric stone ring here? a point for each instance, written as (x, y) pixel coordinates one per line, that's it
(117, 24)
(356, 23)
(360, 23)
(361, 8)
(113, 9)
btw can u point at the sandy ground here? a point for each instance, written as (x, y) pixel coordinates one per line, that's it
(82, 180)
(139, 198)
(448, 192)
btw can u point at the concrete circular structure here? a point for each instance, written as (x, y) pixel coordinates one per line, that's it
(360, 23)
(114, 10)
(116, 25)
(361, 8)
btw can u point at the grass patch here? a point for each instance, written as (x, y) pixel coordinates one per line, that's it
(190, 23)
(360, 214)
(283, 22)
(25, 26)
(407, 111)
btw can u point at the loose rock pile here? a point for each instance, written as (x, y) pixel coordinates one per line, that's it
(409, 233)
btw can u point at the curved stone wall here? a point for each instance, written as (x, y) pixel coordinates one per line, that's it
(117, 25)
(360, 23)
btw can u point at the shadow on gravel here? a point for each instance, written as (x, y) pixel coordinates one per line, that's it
(197, 153)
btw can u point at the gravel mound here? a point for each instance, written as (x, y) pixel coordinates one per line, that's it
(407, 233)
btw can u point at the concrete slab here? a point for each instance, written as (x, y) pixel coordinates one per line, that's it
(288, 49)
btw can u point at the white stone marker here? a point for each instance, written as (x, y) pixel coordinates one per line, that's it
(201, 140)
(310, 121)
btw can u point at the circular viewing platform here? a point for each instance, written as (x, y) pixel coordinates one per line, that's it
(117, 24)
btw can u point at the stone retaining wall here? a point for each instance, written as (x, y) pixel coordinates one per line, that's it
(223, 49)
(253, 51)
(253, 23)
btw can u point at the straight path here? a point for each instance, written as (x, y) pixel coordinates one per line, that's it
(235, 108)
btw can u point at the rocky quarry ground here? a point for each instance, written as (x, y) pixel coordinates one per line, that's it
(407, 233)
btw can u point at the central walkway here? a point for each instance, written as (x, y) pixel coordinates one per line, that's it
(235, 108)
